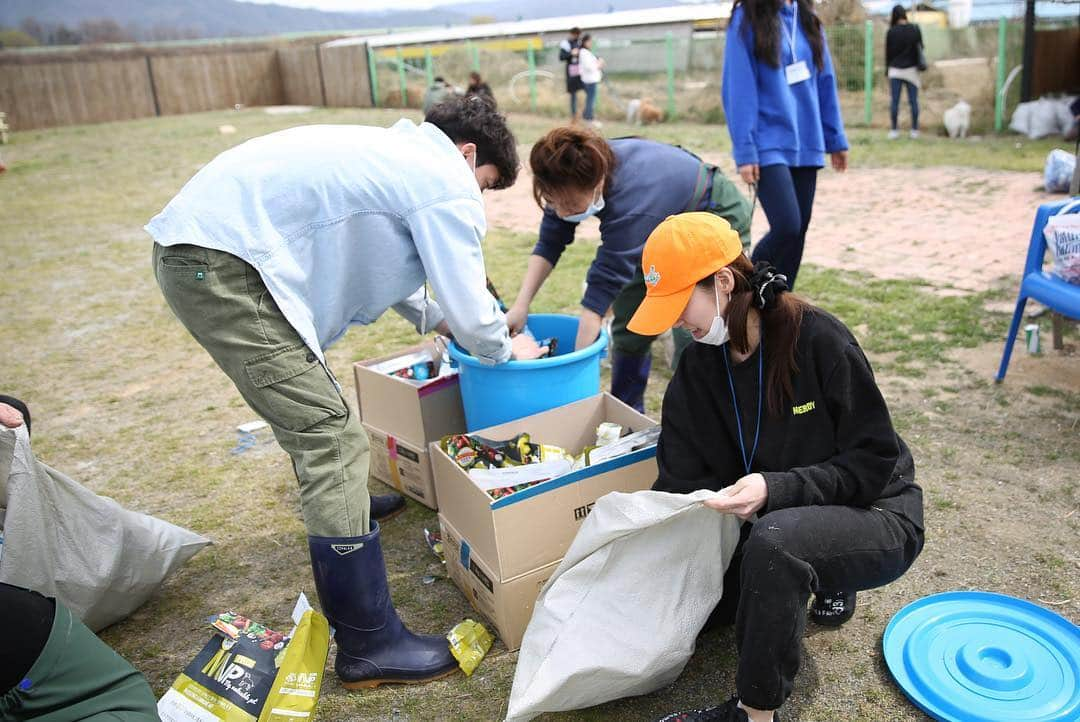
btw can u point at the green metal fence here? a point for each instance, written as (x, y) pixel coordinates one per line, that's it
(681, 74)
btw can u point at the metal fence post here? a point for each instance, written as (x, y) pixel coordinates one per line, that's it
(373, 72)
(999, 100)
(531, 54)
(429, 71)
(868, 73)
(474, 51)
(401, 79)
(669, 53)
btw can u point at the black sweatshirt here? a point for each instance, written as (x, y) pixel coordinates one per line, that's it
(902, 44)
(833, 444)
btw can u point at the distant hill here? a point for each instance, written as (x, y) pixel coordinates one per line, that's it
(148, 19)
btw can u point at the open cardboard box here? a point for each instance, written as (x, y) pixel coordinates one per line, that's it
(403, 466)
(533, 528)
(415, 412)
(508, 605)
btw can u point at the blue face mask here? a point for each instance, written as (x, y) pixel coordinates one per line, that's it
(595, 207)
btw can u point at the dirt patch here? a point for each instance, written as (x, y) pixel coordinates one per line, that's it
(913, 223)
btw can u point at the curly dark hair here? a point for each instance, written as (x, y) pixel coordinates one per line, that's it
(474, 119)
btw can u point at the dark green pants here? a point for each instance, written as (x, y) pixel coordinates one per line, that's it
(78, 677)
(726, 201)
(225, 305)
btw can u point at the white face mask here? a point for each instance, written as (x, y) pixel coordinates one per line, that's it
(595, 207)
(718, 332)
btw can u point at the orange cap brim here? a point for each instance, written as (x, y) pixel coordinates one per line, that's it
(657, 314)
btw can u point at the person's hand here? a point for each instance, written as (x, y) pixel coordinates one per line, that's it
(516, 318)
(839, 160)
(525, 348)
(588, 330)
(750, 173)
(10, 416)
(600, 62)
(744, 497)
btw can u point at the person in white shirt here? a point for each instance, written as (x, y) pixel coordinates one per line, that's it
(592, 72)
(268, 255)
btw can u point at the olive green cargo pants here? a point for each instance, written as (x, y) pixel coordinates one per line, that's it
(225, 305)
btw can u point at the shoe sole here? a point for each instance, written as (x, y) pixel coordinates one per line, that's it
(372, 683)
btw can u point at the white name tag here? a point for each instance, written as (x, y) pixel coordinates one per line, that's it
(797, 72)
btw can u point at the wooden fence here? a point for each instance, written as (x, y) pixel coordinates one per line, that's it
(47, 89)
(1057, 62)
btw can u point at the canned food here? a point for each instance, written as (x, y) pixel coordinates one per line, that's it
(1031, 334)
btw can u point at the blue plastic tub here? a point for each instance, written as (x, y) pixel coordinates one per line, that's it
(504, 392)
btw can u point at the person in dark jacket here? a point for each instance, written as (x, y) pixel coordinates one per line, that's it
(630, 185)
(568, 53)
(903, 58)
(478, 87)
(778, 407)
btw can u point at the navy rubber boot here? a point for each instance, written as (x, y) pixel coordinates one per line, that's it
(386, 506)
(629, 377)
(373, 646)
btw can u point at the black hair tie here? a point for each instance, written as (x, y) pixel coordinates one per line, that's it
(767, 284)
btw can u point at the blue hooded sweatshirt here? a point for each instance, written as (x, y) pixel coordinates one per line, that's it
(771, 122)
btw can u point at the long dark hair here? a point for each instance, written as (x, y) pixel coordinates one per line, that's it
(781, 320)
(898, 14)
(763, 18)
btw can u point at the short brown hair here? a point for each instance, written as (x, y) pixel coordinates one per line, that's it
(570, 157)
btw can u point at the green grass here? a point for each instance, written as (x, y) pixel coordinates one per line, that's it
(127, 403)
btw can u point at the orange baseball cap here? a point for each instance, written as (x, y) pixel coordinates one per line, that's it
(680, 251)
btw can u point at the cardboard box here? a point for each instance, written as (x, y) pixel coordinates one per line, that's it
(411, 412)
(403, 466)
(508, 605)
(533, 528)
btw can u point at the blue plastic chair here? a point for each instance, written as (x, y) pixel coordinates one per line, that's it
(1051, 291)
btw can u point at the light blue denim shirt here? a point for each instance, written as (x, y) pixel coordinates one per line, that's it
(343, 222)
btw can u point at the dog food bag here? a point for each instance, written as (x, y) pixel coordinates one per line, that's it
(250, 673)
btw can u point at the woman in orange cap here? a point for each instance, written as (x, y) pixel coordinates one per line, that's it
(777, 404)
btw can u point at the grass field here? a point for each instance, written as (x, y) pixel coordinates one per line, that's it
(127, 403)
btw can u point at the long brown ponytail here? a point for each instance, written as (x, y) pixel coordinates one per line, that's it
(781, 319)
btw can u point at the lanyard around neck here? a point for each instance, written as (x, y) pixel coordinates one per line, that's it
(794, 26)
(747, 461)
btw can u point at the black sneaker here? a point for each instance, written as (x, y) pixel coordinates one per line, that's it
(727, 712)
(831, 609)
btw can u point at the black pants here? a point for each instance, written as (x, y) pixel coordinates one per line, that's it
(780, 560)
(895, 86)
(787, 197)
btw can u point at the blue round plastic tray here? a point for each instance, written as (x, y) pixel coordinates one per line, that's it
(984, 657)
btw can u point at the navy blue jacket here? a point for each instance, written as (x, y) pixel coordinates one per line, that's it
(651, 182)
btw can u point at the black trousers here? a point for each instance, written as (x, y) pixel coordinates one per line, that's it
(783, 557)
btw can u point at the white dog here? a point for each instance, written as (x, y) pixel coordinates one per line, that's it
(957, 119)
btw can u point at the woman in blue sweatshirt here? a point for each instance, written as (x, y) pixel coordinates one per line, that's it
(783, 114)
(630, 185)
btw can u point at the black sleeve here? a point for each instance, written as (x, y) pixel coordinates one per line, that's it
(555, 235)
(890, 48)
(867, 449)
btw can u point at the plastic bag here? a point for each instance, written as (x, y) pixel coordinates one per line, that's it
(1058, 171)
(237, 677)
(621, 614)
(1062, 233)
(63, 540)
(469, 642)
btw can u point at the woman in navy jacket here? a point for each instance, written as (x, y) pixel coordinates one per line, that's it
(783, 113)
